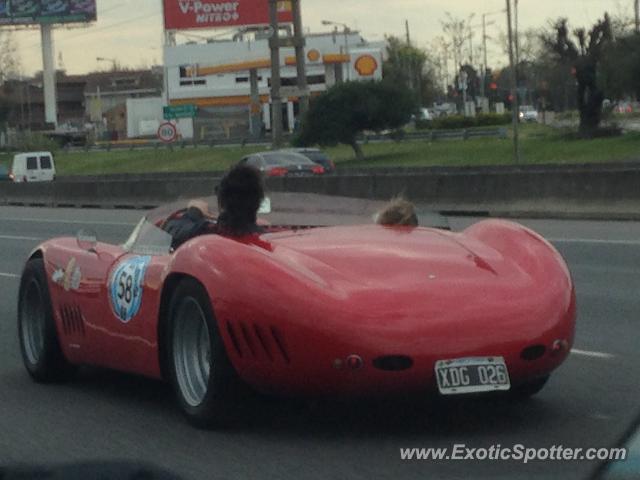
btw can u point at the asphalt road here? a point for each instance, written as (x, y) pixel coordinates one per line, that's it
(590, 402)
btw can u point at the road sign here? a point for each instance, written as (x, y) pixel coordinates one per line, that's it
(180, 111)
(167, 132)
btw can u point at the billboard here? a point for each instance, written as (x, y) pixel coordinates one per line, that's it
(185, 14)
(32, 12)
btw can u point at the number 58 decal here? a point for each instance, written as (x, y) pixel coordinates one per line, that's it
(126, 287)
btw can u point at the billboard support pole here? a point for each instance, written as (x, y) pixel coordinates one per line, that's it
(299, 42)
(276, 100)
(49, 75)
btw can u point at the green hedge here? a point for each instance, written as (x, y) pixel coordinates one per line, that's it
(453, 122)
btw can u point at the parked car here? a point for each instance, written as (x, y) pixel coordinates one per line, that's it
(281, 163)
(33, 167)
(528, 113)
(318, 156)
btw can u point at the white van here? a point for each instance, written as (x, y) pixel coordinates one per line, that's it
(33, 167)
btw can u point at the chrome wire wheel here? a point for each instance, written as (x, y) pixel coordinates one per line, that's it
(191, 351)
(33, 322)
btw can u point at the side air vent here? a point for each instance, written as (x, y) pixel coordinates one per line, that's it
(257, 342)
(393, 363)
(533, 353)
(72, 320)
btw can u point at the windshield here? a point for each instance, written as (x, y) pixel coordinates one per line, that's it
(148, 239)
(285, 159)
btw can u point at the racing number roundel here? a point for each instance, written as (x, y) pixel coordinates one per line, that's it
(126, 287)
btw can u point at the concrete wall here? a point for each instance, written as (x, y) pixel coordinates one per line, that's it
(557, 192)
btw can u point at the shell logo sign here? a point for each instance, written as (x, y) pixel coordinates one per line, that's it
(313, 55)
(366, 65)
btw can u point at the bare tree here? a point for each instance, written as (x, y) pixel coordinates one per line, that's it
(459, 34)
(584, 55)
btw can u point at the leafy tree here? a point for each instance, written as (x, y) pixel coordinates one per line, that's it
(347, 109)
(412, 68)
(9, 62)
(584, 57)
(620, 67)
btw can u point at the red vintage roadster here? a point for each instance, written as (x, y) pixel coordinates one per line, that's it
(342, 310)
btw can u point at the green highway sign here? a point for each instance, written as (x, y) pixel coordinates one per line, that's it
(180, 111)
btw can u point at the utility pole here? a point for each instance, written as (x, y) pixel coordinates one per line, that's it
(637, 8)
(484, 49)
(276, 100)
(406, 26)
(514, 96)
(299, 42)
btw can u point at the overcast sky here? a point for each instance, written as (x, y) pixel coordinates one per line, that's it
(130, 31)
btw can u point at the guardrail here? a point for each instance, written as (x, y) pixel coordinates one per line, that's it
(433, 135)
(426, 135)
(570, 192)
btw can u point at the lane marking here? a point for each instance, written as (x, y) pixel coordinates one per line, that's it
(12, 237)
(586, 353)
(74, 222)
(9, 275)
(631, 243)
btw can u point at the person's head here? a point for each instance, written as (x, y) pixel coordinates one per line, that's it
(240, 194)
(398, 212)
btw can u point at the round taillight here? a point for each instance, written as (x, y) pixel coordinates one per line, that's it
(355, 362)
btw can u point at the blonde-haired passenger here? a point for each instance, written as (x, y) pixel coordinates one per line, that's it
(398, 212)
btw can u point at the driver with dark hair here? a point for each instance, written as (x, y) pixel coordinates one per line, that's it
(240, 194)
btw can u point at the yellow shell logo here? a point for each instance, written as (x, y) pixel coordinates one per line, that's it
(366, 65)
(313, 55)
(284, 6)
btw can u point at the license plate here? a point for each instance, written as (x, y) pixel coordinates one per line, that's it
(472, 375)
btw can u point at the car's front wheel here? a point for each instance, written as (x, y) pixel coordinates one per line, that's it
(202, 376)
(39, 344)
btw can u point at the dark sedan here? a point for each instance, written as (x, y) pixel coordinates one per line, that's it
(317, 156)
(283, 164)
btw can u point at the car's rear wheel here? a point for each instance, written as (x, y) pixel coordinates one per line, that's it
(202, 376)
(39, 344)
(529, 389)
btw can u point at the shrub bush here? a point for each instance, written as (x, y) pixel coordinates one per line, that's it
(458, 121)
(489, 119)
(453, 122)
(35, 142)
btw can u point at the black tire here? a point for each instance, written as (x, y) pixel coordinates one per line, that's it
(206, 404)
(529, 389)
(37, 334)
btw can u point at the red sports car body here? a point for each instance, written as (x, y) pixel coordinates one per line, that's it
(321, 311)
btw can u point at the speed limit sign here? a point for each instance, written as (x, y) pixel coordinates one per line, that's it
(167, 132)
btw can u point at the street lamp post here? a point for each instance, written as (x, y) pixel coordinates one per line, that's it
(485, 24)
(514, 93)
(346, 31)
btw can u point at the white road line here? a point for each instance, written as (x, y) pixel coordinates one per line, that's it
(632, 243)
(75, 222)
(9, 275)
(12, 237)
(586, 353)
